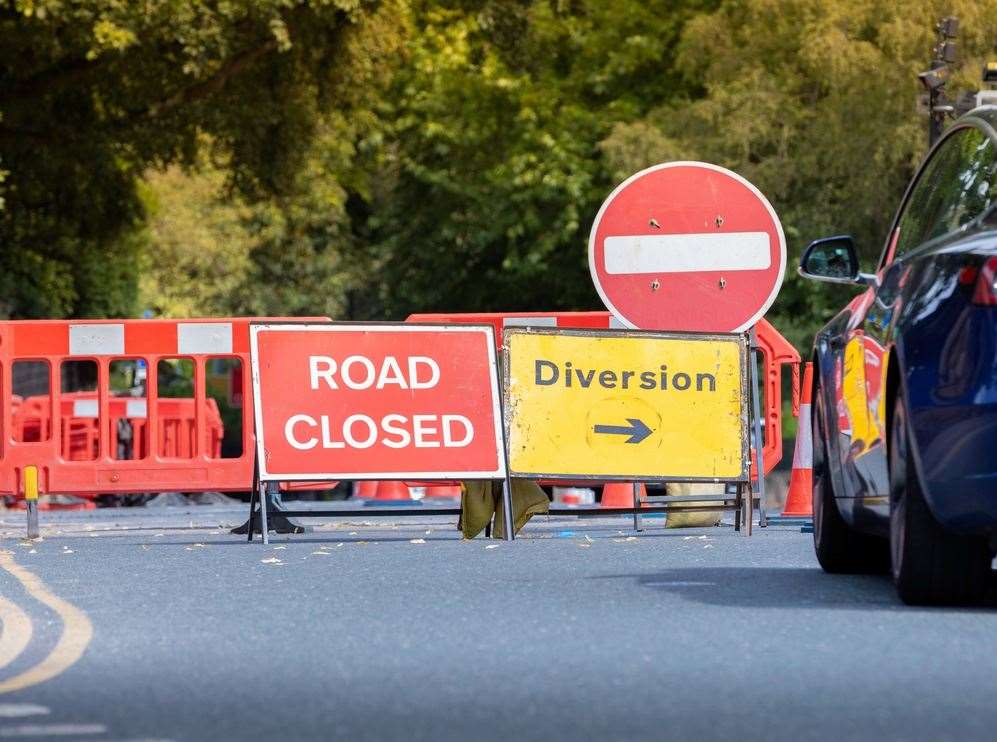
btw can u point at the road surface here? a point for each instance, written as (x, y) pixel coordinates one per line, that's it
(158, 625)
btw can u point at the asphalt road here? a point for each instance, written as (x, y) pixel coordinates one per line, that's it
(402, 631)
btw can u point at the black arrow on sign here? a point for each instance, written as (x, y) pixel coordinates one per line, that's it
(637, 430)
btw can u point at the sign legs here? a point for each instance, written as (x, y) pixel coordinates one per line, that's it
(507, 506)
(637, 526)
(756, 409)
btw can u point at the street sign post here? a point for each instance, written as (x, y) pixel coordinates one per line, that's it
(626, 406)
(687, 246)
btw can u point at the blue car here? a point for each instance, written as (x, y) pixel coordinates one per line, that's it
(904, 407)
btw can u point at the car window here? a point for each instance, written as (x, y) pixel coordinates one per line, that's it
(954, 188)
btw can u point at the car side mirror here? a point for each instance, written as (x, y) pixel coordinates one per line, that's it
(833, 260)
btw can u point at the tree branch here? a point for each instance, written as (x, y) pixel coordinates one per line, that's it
(232, 67)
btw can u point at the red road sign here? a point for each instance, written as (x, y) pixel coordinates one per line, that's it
(352, 401)
(687, 246)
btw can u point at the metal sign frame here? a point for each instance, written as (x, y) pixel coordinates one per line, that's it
(743, 356)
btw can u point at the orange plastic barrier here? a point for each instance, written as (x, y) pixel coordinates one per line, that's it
(775, 351)
(80, 436)
(73, 437)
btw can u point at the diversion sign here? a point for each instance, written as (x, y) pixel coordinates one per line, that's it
(626, 405)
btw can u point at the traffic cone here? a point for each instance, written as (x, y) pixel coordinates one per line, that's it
(621, 495)
(392, 490)
(799, 498)
(365, 490)
(449, 491)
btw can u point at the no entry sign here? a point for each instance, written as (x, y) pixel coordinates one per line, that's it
(356, 401)
(626, 406)
(687, 246)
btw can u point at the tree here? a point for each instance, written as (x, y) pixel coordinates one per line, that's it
(490, 173)
(94, 92)
(814, 102)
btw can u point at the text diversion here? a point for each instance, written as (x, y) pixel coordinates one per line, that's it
(413, 373)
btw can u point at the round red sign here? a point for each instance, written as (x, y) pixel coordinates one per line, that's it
(687, 246)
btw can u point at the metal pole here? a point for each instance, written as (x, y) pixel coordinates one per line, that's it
(31, 499)
(757, 413)
(637, 507)
(265, 493)
(749, 506)
(507, 481)
(507, 504)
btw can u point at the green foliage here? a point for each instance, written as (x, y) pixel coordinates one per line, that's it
(372, 159)
(491, 171)
(814, 102)
(93, 92)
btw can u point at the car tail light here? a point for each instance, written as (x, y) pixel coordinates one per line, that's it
(985, 293)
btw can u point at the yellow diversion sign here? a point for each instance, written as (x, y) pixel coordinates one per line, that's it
(626, 405)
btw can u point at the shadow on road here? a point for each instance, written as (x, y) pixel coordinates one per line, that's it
(762, 587)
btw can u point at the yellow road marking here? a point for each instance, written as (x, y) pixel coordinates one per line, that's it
(17, 630)
(77, 631)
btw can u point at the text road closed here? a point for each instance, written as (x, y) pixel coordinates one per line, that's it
(376, 401)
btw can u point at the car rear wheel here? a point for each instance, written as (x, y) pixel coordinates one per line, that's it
(930, 565)
(839, 549)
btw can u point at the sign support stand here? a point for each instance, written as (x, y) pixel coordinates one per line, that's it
(507, 480)
(755, 357)
(637, 526)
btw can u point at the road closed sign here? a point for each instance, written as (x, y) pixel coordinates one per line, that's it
(626, 405)
(371, 401)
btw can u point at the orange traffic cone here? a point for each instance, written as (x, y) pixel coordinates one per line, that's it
(365, 490)
(451, 491)
(799, 498)
(392, 490)
(620, 495)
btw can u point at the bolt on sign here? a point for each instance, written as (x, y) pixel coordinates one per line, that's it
(626, 405)
(376, 401)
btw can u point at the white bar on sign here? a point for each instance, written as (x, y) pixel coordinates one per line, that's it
(687, 253)
(204, 337)
(136, 408)
(85, 408)
(97, 340)
(529, 322)
(615, 324)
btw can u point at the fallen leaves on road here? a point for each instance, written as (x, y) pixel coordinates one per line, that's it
(271, 560)
(417, 541)
(276, 548)
(492, 546)
(624, 540)
(67, 551)
(321, 553)
(584, 546)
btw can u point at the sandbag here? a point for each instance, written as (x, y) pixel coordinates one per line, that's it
(481, 502)
(694, 519)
